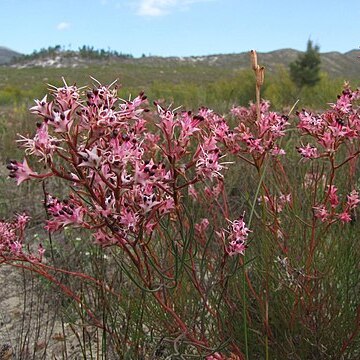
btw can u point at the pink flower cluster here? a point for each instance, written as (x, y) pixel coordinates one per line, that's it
(236, 235)
(332, 128)
(127, 166)
(130, 167)
(68, 211)
(327, 212)
(259, 136)
(12, 234)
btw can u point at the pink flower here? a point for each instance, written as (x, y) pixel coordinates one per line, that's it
(260, 136)
(328, 141)
(22, 220)
(129, 219)
(344, 217)
(148, 202)
(333, 198)
(123, 149)
(321, 213)
(20, 171)
(343, 103)
(166, 206)
(236, 234)
(42, 145)
(255, 145)
(309, 123)
(61, 121)
(63, 213)
(353, 199)
(12, 234)
(66, 96)
(167, 121)
(131, 109)
(16, 247)
(308, 152)
(202, 226)
(276, 151)
(147, 172)
(208, 165)
(42, 107)
(90, 158)
(107, 117)
(189, 125)
(151, 141)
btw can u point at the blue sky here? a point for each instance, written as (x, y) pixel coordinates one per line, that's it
(180, 27)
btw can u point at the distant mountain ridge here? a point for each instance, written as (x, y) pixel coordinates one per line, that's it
(6, 55)
(337, 64)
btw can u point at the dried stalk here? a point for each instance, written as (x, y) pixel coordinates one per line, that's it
(259, 75)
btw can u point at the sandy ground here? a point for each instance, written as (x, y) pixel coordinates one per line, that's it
(30, 328)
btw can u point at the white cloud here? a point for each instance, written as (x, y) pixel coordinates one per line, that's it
(162, 7)
(63, 26)
(155, 7)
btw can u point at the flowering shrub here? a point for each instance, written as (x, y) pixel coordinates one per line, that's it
(133, 175)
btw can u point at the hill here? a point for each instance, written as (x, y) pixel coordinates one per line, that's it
(6, 55)
(346, 65)
(336, 64)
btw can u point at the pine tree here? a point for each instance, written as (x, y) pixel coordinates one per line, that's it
(305, 70)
